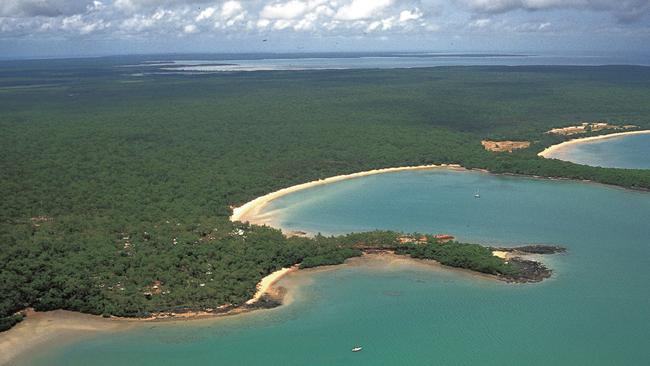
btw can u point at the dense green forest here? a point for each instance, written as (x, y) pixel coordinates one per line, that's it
(112, 179)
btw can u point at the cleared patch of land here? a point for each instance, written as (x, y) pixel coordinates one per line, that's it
(504, 146)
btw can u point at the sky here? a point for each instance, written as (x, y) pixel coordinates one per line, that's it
(45, 28)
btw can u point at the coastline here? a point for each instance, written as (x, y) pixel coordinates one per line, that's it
(265, 285)
(551, 149)
(41, 330)
(47, 330)
(53, 328)
(248, 212)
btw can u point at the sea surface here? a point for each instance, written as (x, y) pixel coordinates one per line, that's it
(595, 310)
(627, 151)
(189, 64)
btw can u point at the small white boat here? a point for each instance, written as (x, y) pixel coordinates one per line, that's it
(477, 194)
(357, 349)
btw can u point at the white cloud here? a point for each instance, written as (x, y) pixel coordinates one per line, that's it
(263, 23)
(480, 23)
(231, 8)
(76, 23)
(207, 13)
(362, 9)
(408, 15)
(190, 28)
(44, 8)
(288, 10)
(281, 24)
(116, 19)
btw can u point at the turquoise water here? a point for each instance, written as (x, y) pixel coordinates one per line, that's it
(595, 310)
(188, 64)
(629, 151)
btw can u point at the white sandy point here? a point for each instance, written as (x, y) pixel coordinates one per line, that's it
(265, 284)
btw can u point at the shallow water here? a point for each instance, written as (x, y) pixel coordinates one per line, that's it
(384, 61)
(627, 151)
(593, 311)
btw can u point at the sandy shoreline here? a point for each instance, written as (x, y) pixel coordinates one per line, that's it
(54, 328)
(45, 330)
(267, 282)
(250, 210)
(551, 149)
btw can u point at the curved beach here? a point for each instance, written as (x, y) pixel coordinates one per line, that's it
(50, 329)
(54, 328)
(249, 211)
(551, 149)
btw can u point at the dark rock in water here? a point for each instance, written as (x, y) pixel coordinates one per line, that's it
(541, 249)
(529, 271)
(533, 249)
(269, 300)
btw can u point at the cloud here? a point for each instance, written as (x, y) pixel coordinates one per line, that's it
(77, 23)
(231, 8)
(190, 28)
(362, 9)
(408, 15)
(206, 14)
(45, 8)
(288, 10)
(162, 19)
(140, 5)
(623, 10)
(480, 23)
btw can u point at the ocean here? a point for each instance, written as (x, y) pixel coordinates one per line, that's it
(593, 311)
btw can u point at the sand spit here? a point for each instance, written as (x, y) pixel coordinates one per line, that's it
(551, 149)
(267, 282)
(52, 328)
(249, 211)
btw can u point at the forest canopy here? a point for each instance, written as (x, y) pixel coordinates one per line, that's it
(114, 182)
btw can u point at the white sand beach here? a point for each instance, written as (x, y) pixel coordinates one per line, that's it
(546, 153)
(249, 212)
(267, 282)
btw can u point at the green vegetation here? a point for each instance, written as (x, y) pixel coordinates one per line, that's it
(112, 182)
(469, 256)
(7, 322)
(474, 257)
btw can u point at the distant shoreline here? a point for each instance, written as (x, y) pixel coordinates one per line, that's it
(551, 149)
(249, 212)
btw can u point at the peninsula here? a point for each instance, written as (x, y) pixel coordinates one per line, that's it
(118, 189)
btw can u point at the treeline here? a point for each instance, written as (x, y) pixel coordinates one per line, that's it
(203, 266)
(116, 189)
